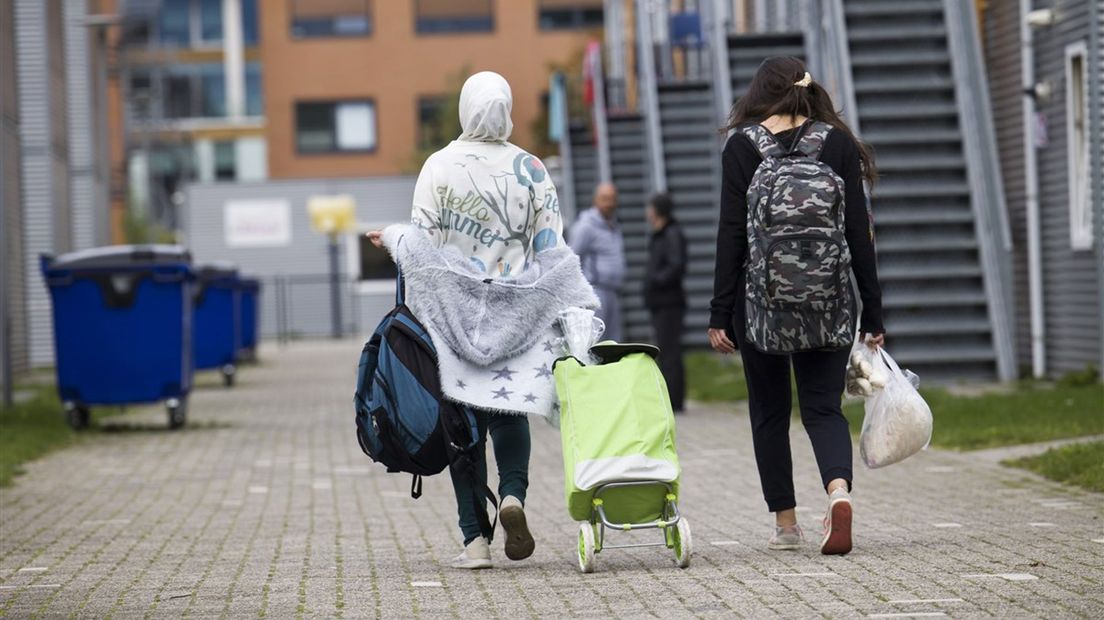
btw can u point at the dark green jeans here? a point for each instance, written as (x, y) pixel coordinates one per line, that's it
(510, 435)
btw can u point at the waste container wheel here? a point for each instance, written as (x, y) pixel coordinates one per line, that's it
(78, 416)
(228, 373)
(178, 412)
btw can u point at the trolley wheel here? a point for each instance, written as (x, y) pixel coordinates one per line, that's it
(178, 412)
(682, 542)
(586, 547)
(77, 416)
(228, 372)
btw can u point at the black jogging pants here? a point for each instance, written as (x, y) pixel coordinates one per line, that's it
(820, 379)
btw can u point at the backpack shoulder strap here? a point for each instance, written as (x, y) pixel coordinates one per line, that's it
(812, 138)
(767, 145)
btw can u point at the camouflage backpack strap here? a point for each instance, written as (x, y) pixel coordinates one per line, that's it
(812, 139)
(764, 142)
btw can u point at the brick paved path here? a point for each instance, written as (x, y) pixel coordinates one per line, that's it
(265, 506)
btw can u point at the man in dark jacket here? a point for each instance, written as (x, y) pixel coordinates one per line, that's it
(664, 295)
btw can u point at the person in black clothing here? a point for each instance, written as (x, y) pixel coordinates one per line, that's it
(783, 97)
(664, 295)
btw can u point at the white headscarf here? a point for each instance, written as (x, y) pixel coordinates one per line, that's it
(485, 105)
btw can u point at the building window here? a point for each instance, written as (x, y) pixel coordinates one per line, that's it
(429, 111)
(210, 21)
(226, 168)
(254, 93)
(330, 18)
(452, 16)
(375, 263)
(250, 34)
(174, 24)
(570, 14)
(335, 127)
(180, 91)
(1077, 140)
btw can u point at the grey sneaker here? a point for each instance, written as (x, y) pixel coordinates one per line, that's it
(837, 524)
(477, 554)
(519, 542)
(786, 538)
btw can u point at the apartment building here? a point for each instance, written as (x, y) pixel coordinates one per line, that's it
(349, 83)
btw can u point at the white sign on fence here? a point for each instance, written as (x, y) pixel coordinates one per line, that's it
(257, 223)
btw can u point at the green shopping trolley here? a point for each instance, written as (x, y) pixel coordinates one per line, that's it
(621, 470)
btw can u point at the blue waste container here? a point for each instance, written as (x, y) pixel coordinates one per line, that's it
(250, 316)
(122, 327)
(217, 324)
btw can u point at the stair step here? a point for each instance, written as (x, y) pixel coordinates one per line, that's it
(906, 356)
(866, 34)
(911, 136)
(878, 8)
(903, 217)
(929, 272)
(902, 85)
(889, 189)
(909, 163)
(933, 326)
(902, 246)
(930, 299)
(910, 58)
(883, 112)
(702, 115)
(759, 53)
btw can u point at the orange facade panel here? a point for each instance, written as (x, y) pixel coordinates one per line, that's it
(394, 67)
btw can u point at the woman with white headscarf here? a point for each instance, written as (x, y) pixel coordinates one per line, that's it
(487, 274)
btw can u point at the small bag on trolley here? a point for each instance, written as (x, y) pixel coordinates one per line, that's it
(618, 432)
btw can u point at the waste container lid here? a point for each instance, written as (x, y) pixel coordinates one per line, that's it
(123, 256)
(216, 270)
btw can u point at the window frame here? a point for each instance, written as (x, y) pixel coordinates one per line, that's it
(575, 25)
(418, 31)
(335, 103)
(1079, 189)
(369, 13)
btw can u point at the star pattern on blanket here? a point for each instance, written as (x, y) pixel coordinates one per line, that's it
(502, 393)
(505, 373)
(460, 384)
(549, 346)
(530, 398)
(543, 372)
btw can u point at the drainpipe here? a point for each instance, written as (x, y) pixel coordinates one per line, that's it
(1031, 185)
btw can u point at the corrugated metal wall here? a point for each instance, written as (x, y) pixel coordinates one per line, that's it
(87, 194)
(1002, 59)
(1072, 302)
(44, 148)
(11, 210)
(380, 201)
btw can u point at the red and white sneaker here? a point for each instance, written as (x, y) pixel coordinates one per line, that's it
(837, 524)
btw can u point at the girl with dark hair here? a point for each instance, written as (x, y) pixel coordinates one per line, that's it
(786, 114)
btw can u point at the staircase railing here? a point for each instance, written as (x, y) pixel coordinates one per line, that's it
(598, 115)
(983, 176)
(567, 160)
(649, 96)
(831, 57)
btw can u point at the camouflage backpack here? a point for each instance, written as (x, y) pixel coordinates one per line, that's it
(798, 268)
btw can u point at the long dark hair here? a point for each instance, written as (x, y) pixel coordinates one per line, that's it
(772, 91)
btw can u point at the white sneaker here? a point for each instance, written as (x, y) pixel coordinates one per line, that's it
(477, 554)
(519, 542)
(837, 524)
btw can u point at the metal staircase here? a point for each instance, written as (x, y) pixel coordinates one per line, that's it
(937, 306)
(584, 165)
(628, 167)
(747, 51)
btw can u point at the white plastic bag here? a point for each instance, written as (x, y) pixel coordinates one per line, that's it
(898, 422)
(865, 374)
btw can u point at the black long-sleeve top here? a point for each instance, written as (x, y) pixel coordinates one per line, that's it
(666, 267)
(738, 163)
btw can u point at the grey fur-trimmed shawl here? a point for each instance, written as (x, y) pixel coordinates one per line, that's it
(496, 338)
